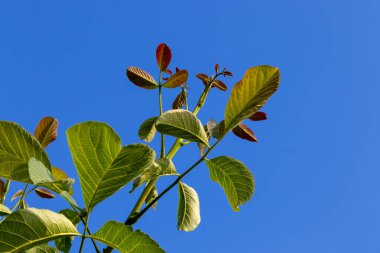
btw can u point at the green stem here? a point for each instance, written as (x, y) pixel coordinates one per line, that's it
(84, 235)
(23, 196)
(6, 189)
(88, 229)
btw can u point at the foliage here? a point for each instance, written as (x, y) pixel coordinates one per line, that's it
(105, 166)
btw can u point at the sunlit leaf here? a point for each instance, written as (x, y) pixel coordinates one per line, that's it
(250, 94)
(43, 193)
(244, 132)
(182, 124)
(257, 116)
(46, 131)
(163, 56)
(42, 249)
(64, 244)
(188, 215)
(102, 164)
(148, 129)
(234, 177)
(60, 175)
(4, 210)
(177, 79)
(141, 78)
(125, 240)
(27, 228)
(17, 146)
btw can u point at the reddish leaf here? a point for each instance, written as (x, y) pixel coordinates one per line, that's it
(165, 78)
(17, 194)
(180, 100)
(177, 79)
(244, 132)
(45, 194)
(205, 79)
(257, 116)
(2, 188)
(227, 73)
(168, 71)
(216, 68)
(218, 130)
(46, 131)
(141, 78)
(177, 69)
(163, 56)
(219, 84)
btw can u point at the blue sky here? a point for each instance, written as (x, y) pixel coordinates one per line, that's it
(316, 165)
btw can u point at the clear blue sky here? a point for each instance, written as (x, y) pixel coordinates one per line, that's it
(317, 163)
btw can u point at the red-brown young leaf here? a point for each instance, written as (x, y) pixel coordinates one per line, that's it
(227, 73)
(257, 116)
(244, 132)
(17, 194)
(165, 78)
(177, 69)
(2, 188)
(168, 71)
(179, 101)
(177, 79)
(216, 68)
(46, 131)
(45, 194)
(218, 130)
(219, 85)
(205, 79)
(141, 78)
(163, 56)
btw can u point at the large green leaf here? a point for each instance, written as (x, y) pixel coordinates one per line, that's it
(103, 165)
(182, 124)
(125, 240)
(234, 177)
(148, 129)
(31, 227)
(250, 94)
(42, 249)
(17, 146)
(64, 244)
(188, 215)
(4, 210)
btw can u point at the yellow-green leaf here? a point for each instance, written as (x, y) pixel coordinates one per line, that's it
(250, 94)
(188, 215)
(182, 124)
(235, 178)
(4, 210)
(148, 129)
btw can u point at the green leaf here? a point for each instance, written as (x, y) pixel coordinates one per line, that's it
(41, 176)
(141, 78)
(188, 215)
(125, 240)
(161, 167)
(42, 249)
(17, 146)
(148, 129)
(250, 94)
(46, 131)
(4, 210)
(60, 175)
(151, 196)
(103, 165)
(182, 124)
(177, 79)
(31, 227)
(234, 177)
(64, 244)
